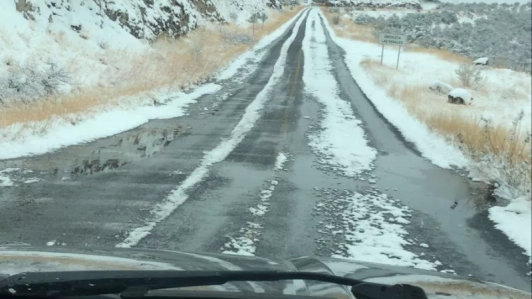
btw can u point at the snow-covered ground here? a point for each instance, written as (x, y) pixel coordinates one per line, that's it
(505, 94)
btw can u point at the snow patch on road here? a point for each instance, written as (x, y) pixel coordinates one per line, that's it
(368, 227)
(341, 142)
(244, 243)
(431, 145)
(5, 181)
(280, 161)
(218, 154)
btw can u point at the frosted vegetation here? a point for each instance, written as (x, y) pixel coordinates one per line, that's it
(499, 31)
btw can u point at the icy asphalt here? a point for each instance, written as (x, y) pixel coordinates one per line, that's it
(253, 201)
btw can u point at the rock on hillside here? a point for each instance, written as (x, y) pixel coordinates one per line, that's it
(144, 19)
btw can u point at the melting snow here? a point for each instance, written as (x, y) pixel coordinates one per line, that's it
(341, 132)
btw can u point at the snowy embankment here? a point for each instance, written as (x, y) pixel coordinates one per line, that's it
(111, 78)
(253, 112)
(506, 94)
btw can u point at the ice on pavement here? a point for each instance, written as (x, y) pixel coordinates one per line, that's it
(253, 112)
(340, 142)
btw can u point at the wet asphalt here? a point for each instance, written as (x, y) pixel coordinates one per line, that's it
(91, 195)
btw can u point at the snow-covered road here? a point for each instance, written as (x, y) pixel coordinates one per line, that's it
(292, 160)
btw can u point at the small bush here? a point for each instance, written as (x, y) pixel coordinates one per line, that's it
(503, 159)
(29, 82)
(336, 19)
(470, 76)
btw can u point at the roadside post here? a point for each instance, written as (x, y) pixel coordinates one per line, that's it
(392, 39)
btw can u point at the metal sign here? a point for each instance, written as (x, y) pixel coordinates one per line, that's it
(392, 39)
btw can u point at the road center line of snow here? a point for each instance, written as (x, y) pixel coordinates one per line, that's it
(219, 153)
(340, 142)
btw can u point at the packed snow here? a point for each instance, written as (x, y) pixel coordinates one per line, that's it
(340, 132)
(369, 227)
(253, 112)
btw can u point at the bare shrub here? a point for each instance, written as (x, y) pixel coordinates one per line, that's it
(470, 76)
(29, 82)
(504, 159)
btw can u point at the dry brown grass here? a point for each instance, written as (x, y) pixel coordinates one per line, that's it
(348, 29)
(173, 63)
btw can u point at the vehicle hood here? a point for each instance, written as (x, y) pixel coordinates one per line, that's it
(23, 258)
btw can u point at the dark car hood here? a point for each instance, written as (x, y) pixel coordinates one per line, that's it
(22, 258)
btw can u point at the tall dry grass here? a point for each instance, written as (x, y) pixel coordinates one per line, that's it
(171, 63)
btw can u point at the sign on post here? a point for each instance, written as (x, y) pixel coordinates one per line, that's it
(392, 39)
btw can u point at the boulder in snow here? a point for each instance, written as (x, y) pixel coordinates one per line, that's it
(459, 96)
(441, 87)
(482, 61)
